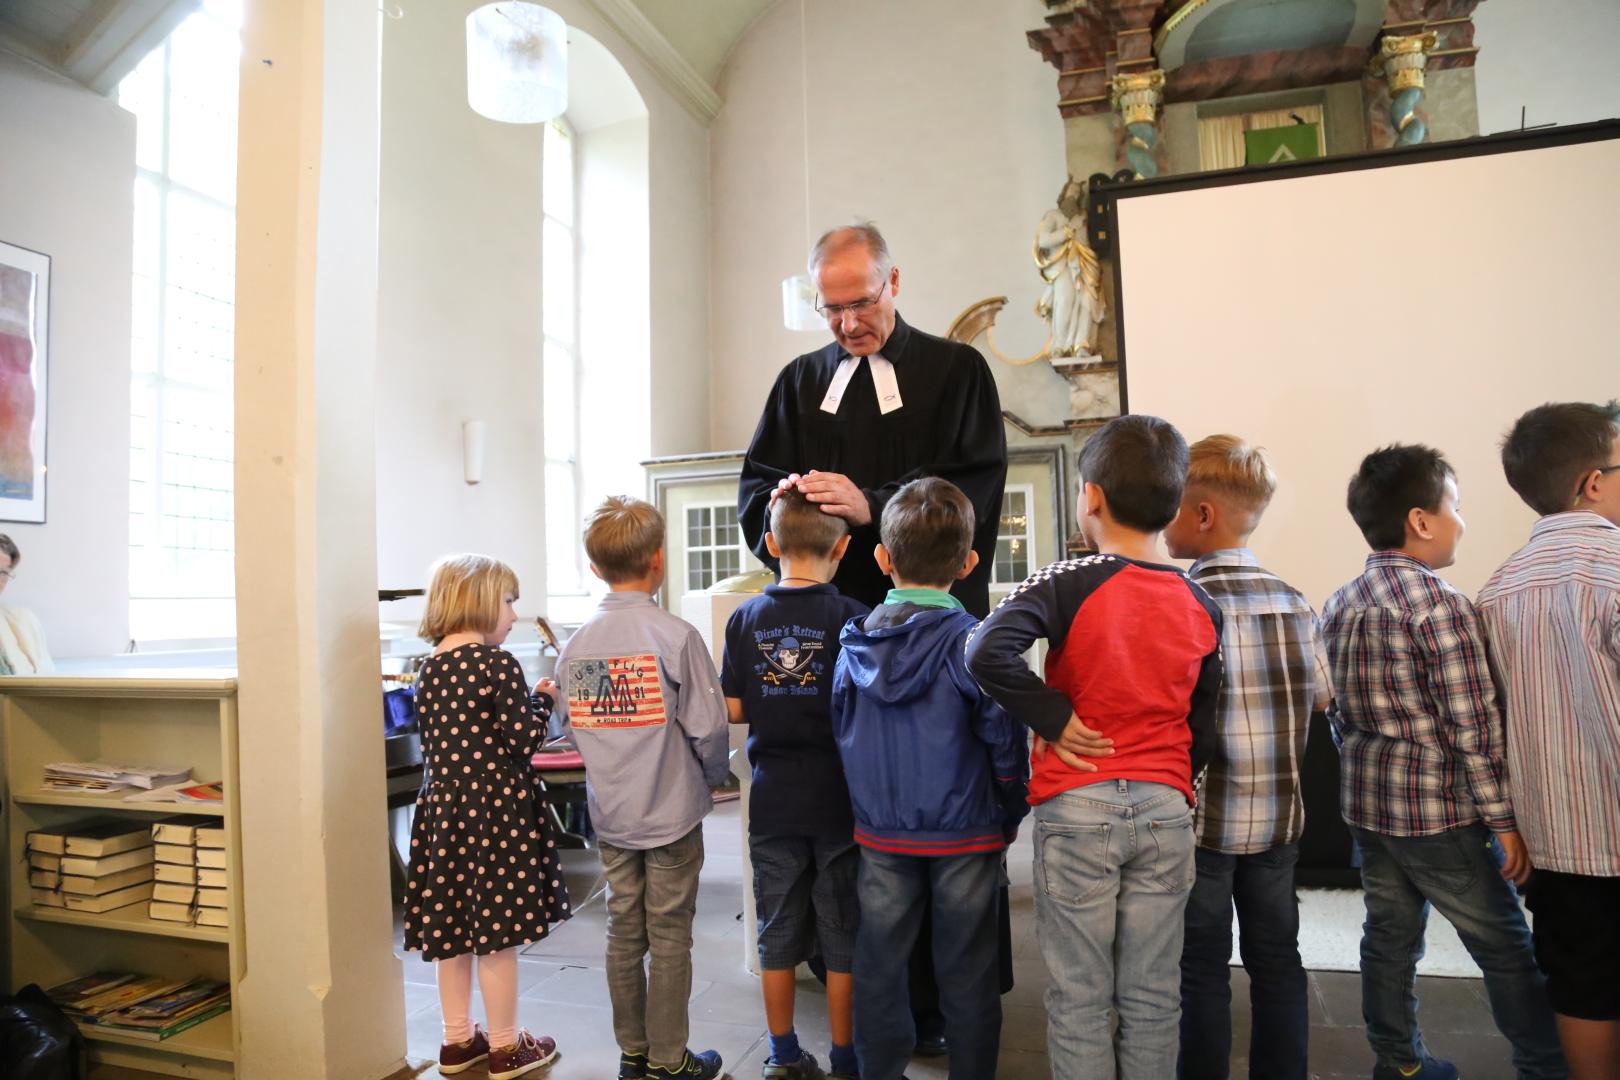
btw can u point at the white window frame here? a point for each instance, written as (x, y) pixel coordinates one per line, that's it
(1027, 536)
(579, 587)
(741, 547)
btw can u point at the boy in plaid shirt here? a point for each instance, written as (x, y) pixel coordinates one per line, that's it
(1251, 814)
(1424, 788)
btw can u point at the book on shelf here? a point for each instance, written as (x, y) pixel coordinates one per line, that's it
(109, 901)
(86, 866)
(93, 996)
(54, 841)
(90, 886)
(38, 860)
(211, 835)
(211, 878)
(165, 911)
(186, 792)
(141, 1006)
(180, 830)
(173, 894)
(183, 854)
(69, 995)
(213, 898)
(48, 898)
(107, 839)
(212, 858)
(213, 916)
(175, 873)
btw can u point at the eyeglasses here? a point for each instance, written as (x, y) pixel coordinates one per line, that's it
(1600, 470)
(835, 312)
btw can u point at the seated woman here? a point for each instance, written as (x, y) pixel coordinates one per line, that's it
(22, 638)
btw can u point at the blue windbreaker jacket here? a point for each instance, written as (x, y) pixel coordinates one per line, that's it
(935, 767)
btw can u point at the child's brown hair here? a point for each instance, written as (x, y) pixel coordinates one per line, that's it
(622, 536)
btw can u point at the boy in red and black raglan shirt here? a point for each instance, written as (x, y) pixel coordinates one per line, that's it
(1133, 673)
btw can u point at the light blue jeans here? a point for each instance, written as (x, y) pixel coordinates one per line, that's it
(1113, 870)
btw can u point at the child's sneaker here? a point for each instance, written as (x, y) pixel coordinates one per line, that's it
(1427, 1069)
(803, 1069)
(701, 1066)
(461, 1056)
(523, 1056)
(632, 1066)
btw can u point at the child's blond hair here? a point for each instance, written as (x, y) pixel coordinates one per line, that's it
(466, 596)
(1226, 466)
(622, 536)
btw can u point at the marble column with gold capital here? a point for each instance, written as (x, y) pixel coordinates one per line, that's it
(1403, 58)
(1137, 96)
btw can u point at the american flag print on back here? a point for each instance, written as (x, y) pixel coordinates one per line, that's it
(615, 692)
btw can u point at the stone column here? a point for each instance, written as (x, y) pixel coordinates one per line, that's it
(323, 994)
(1137, 96)
(1402, 58)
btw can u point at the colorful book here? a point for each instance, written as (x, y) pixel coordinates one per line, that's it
(70, 994)
(109, 864)
(109, 901)
(131, 990)
(174, 1027)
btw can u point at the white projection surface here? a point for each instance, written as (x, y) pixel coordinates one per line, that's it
(1323, 316)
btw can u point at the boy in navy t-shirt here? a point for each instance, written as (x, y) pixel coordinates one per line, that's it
(777, 676)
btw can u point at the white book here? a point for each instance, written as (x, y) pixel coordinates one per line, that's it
(180, 830)
(170, 893)
(213, 879)
(109, 864)
(213, 917)
(109, 839)
(111, 901)
(184, 854)
(175, 873)
(49, 898)
(166, 912)
(213, 858)
(211, 836)
(91, 886)
(213, 898)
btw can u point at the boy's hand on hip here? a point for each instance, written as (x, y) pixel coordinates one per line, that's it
(1083, 741)
(1078, 764)
(1516, 860)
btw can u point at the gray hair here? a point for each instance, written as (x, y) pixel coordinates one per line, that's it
(862, 233)
(9, 547)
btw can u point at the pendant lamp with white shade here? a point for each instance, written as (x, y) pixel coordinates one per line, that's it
(517, 63)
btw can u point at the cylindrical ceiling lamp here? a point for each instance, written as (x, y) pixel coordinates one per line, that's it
(517, 63)
(799, 304)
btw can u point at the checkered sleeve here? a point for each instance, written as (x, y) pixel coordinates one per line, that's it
(1452, 643)
(1321, 668)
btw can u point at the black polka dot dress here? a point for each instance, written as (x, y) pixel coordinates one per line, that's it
(484, 871)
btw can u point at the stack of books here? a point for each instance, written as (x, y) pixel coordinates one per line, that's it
(96, 867)
(190, 871)
(141, 1006)
(96, 776)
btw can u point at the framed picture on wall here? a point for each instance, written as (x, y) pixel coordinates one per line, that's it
(25, 291)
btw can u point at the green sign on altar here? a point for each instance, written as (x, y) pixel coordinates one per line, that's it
(1296, 142)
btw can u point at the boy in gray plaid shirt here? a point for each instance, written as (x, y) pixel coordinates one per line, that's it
(1250, 814)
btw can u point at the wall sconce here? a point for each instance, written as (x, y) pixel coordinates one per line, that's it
(472, 450)
(517, 63)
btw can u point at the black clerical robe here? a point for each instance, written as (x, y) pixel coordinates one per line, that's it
(949, 425)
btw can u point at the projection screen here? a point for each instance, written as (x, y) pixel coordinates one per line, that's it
(1326, 309)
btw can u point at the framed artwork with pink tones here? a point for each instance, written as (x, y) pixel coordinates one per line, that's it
(25, 293)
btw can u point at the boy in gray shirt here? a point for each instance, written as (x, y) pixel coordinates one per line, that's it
(643, 702)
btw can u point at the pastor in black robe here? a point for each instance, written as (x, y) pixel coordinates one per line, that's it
(948, 425)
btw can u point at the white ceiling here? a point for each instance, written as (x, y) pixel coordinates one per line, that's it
(94, 42)
(704, 31)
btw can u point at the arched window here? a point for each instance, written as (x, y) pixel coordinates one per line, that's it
(559, 246)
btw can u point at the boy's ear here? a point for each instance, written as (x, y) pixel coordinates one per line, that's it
(1206, 516)
(1092, 500)
(967, 567)
(881, 554)
(657, 564)
(1417, 524)
(837, 553)
(598, 573)
(770, 545)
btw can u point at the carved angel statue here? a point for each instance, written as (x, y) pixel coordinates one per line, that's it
(1072, 302)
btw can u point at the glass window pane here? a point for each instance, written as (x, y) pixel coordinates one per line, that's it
(141, 93)
(562, 530)
(559, 423)
(557, 281)
(202, 106)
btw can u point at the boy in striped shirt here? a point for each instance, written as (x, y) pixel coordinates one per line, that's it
(1552, 614)
(1251, 814)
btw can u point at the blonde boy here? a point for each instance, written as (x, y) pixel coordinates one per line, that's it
(1251, 814)
(643, 701)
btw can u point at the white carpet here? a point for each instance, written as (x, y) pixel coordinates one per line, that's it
(1330, 936)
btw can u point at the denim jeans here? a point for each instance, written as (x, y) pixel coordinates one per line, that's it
(1457, 872)
(1262, 886)
(652, 896)
(1113, 869)
(959, 893)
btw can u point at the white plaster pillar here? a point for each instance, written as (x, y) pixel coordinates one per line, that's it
(322, 995)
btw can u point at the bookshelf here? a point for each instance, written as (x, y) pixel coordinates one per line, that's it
(141, 716)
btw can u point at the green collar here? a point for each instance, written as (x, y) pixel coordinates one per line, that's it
(924, 598)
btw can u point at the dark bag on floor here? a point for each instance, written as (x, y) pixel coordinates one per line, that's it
(37, 1040)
